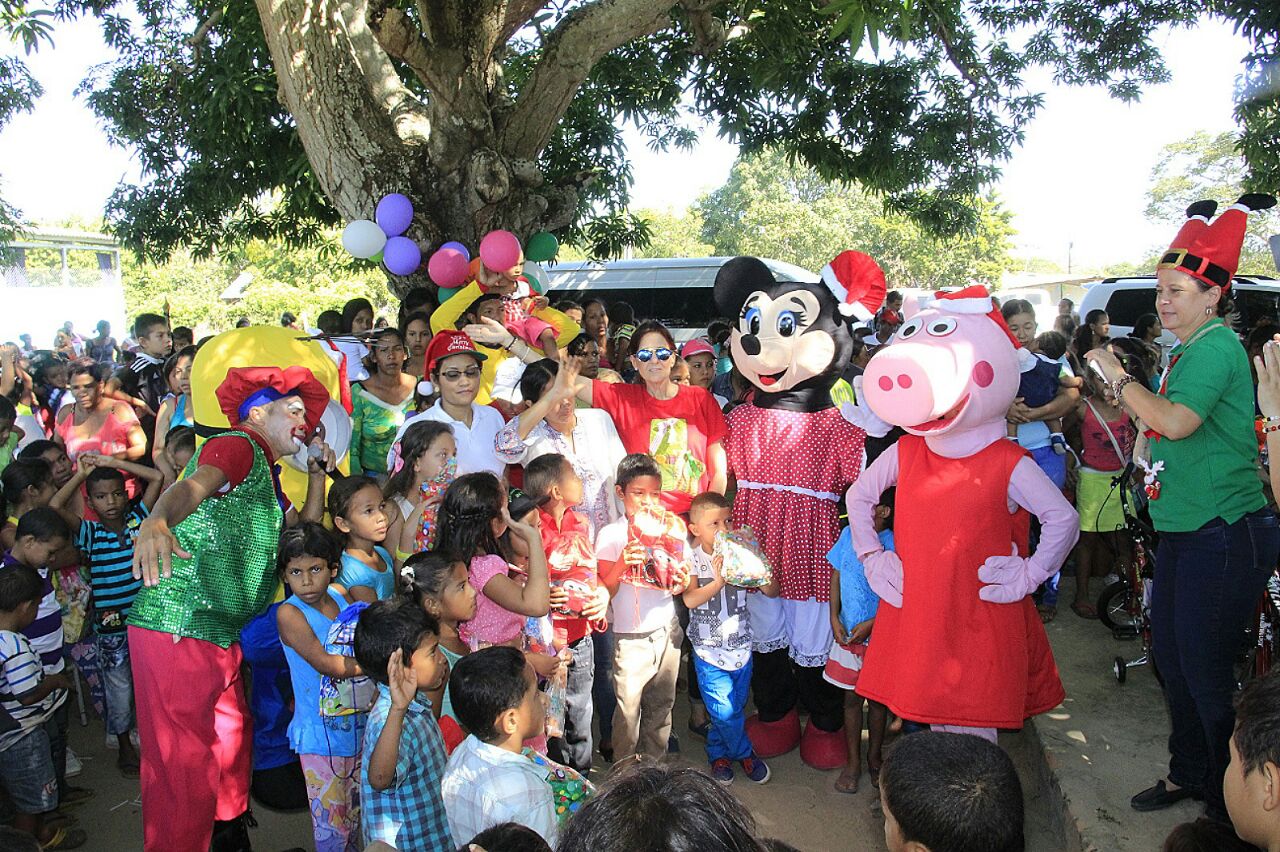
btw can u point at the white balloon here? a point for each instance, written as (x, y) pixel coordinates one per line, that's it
(535, 273)
(363, 238)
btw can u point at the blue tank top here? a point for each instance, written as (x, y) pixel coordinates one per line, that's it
(180, 417)
(309, 732)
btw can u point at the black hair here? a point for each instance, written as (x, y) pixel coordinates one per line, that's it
(1094, 316)
(1205, 835)
(377, 337)
(508, 837)
(97, 372)
(621, 313)
(887, 499)
(343, 490)
(103, 474)
(470, 505)
(474, 307)
(308, 539)
(145, 322)
(19, 584)
(180, 438)
(567, 305)
(183, 332)
(329, 322)
(351, 309)
(1257, 734)
(21, 474)
(485, 683)
(1052, 344)
(415, 441)
(1013, 307)
(38, 448)
(424, 574)
(537, 377)
(661, 806)
(171, 363)
(707, 500)
(1261, 334)
(243, 322)
(1069, 302)
(718, 330)
(287, 319)
(653, 327)
(953, 792)
(389, 626)
(413, 303)
(8, 411)
(544, 473)
(891, 295)
(634, 466)
(44, 524)
(1143, 325)
(577, 347)
(1084, 340)
(1136, 357)
(410, 317)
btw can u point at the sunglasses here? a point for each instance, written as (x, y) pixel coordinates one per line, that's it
(644, 356)
(454, 375)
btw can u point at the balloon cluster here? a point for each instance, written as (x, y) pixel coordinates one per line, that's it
(382, 239)
(451, 265)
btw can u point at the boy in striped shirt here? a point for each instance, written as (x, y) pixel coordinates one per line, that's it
(107, 548)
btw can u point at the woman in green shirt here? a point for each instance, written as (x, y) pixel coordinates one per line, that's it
(1218, 539)
(380, 403)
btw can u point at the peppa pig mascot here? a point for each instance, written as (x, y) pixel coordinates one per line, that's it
(957, 643)
(793, 455)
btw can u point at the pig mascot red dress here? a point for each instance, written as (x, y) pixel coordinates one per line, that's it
(793, 455)
(957, 643)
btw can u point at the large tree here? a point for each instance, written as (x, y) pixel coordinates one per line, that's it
(270, 120)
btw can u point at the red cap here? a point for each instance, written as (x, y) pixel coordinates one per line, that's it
(697, 346)
(242, 383)
(450, 342)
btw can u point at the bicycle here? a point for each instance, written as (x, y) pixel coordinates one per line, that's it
(1124, 606)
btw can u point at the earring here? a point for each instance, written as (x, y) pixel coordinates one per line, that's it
(1208, 312)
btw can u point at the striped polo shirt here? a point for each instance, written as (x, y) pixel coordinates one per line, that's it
(20, 672)
(45, 632)
(109, 556)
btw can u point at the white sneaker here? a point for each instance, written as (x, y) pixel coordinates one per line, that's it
(74, 766)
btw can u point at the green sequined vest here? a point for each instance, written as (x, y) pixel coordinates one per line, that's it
(231, 575)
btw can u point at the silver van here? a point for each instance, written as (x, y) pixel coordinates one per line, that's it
(676, 290)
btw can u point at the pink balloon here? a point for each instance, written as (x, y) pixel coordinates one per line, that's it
(500, 250)
(448, 267)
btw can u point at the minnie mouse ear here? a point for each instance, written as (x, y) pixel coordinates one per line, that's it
(426, 388)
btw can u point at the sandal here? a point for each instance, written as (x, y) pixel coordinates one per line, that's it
(1047, 613)
(1084, 610)
(66, 838)
(848, 781)
(700, 730)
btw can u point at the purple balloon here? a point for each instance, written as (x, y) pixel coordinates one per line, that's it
(459, 248)
(448, 267)
(394, 214)
(401, 256)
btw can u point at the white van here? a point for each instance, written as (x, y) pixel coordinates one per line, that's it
(1043, 305)
(676, 290)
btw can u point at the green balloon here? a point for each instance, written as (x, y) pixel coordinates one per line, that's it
(541, 247)
(376, 258)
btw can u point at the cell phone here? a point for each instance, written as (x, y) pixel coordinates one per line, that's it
(1097, 368)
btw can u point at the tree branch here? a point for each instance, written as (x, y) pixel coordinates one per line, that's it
(518, 13)
(708, 31)
(401, 38)
(202, 32)
(580, 40)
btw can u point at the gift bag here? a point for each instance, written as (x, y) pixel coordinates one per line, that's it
(569, 789)
(741, 562)
(557, 693)
(345, 696)
(434, 488)
(571, 565)
(662, 535)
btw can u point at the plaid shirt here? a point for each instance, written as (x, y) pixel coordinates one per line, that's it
(486, 786)
(409, 815)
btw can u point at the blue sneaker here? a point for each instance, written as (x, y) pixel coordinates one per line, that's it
(1059, 443)
(757, 770)
(722, 771)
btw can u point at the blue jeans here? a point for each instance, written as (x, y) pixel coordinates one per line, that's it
(1207, 586)
(725, 695)
(26, 773)
(117, 681)
(602, 695)
(574, 748)
(1054, 467)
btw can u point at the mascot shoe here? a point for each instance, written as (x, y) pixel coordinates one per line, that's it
(823, 749)
(771, 739)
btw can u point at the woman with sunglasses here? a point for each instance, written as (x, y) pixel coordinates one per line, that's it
(453, 368)
(380, 403)
(679, 425)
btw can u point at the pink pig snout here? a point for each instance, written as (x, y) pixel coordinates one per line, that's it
(907, 384)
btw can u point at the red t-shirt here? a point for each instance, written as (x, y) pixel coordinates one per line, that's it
(233, 456)
(676, 432)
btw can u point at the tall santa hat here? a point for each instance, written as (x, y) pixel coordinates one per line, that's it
(1211, 252)
(975, 299)
(857, 282)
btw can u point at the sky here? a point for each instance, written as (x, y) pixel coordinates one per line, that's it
(1079, 178)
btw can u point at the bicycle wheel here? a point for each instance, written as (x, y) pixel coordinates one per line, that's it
(1115, 607)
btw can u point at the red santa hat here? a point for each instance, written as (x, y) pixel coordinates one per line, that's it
(976, 300)
(857, 282)
(1210, 252)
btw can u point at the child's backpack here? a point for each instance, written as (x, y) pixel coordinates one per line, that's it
(345, 696)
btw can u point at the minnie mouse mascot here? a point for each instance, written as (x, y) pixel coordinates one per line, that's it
(793, 456)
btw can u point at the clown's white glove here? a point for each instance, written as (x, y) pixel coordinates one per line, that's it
(884, 575)
(860, 414)
(1009, 579)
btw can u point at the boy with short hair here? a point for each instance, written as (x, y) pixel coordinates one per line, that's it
(1252, 783)
(577, 600)
(107, 548)
(142, 383)
(28, 699)
(944, 792)
(647, 634)
(397, 644)
(720, 633)
(488, 781)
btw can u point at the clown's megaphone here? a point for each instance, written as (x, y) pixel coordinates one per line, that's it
(334, 430)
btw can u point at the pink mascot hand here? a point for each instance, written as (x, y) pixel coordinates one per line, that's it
(1008, 579)
(884, 574)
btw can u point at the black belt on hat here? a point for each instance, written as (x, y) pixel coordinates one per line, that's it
(1181, 259)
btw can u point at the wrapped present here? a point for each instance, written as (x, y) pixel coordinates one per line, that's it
(662, 534)
(569, 789)
(741, 562)
(571, 566)
(345, 696)
(433, 489)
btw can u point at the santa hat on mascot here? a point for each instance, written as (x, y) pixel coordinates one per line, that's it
(857, 282)
(1210, 252)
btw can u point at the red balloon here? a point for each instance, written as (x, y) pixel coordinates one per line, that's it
(448, 267)
(500, 250)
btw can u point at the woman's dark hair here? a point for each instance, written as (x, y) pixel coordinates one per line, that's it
(507, 837)
(410, 317)
(377, 337)
(485, 683)
(471, 503)
(95, 371)
(424, 574)
(652, 327)
(329, 322)
(1084, 340)
(537, 377)
(1094, 316)
(389, 626)
(578, 346)
(634, 466)
(415, 441)
(718, 331)
(308, 539)
(1143, 325)
(1136, 358)
(1013, 307)
(19, 584)
(171, 363)
(351, 309)
(21, 474)
(344, 490)
(661, 806)
(414, 302)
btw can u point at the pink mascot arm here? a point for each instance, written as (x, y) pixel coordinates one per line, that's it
(883, 568)
(1009, 579)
